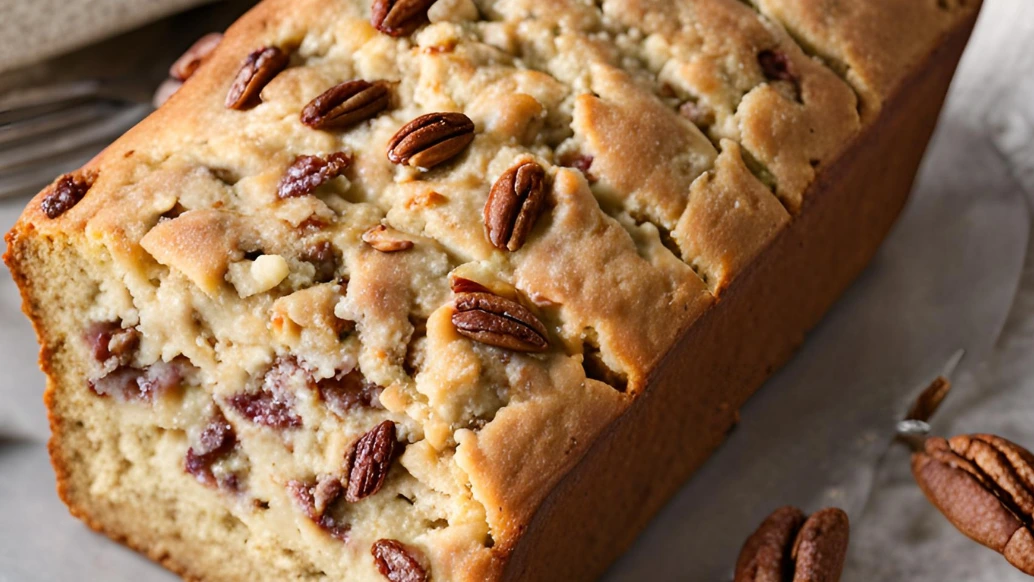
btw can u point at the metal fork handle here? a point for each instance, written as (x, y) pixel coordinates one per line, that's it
(48, 95)
(94, 133)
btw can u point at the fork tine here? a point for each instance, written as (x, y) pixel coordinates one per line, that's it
(46, 146)
(47, 95)
(29, 180)
(32, 127)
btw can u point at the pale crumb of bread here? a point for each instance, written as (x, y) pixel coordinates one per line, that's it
(258, 276)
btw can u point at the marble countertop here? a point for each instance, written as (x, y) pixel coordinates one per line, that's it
(958, 271)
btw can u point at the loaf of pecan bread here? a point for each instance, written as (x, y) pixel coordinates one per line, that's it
(461, 289)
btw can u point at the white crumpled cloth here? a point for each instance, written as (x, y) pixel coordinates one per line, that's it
(31, 30)
(898, 536)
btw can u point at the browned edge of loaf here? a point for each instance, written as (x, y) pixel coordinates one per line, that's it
(598, 509)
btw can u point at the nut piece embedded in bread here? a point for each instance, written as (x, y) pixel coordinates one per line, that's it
(361, 301)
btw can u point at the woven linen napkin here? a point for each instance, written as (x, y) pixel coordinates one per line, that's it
(33, 30)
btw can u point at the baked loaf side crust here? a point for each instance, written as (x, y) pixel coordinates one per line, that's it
(218, 351)
(582, 526)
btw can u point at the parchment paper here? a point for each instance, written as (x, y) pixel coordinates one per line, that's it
(948, 277)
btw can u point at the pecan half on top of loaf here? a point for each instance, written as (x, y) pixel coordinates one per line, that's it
(399, 17)
(431, 139)
(984, 485)
(307, 173)
(185, 67)
(66, 192)
(347, 104)
(257, 70)
(369, 460)
(789, 548)
(500, 322)
(514, 204)
(189, 61)
(398, 562)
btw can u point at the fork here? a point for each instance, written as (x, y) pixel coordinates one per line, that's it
(51, 129)
(62, 121)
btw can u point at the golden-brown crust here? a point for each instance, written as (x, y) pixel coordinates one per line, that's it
(873, 51)
(530, 523)
(620, 122)
(851, 210)
(790, 120)
(730, 219)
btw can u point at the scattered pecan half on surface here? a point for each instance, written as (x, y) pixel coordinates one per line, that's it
(984, 485)
(789, 548)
